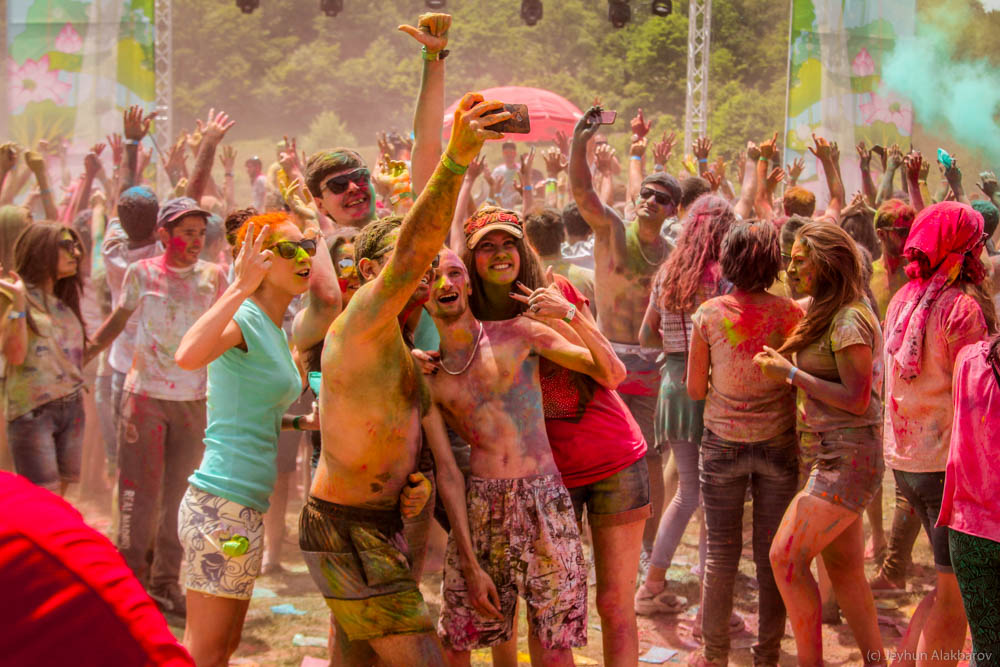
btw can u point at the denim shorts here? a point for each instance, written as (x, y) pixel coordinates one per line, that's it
(843, 467)
(621, 498)
(47, 443)
(925, 491)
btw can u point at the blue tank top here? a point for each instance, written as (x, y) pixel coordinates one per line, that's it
(248, 392)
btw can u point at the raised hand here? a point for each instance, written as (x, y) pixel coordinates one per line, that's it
(663, 148)
(544, 303)
(864, 155)
(562, 142)
(914, 162)
(194, 139)
(988, 184)
(12, 284)
(175, 155)
(880, 151)
(476, 168)
(143, 158)
(925, 168)
(776, 176)
(795, 169)
(639, 126)
(135, 123)
(470, 130)
(228, 158)
(35, 162)
(252, 263)
(895, 157)
(701, 148)
(384, 148)
(216, 126)
(741, 165)
(719, 168)
(431, 31)
(526, 162)
(92, 160)
(588, 125)
(8, 156)
(555, 162)
(117, 149)
(834, 152)
(638, 146)
(605, 157)
(713, 180)
(769, 148)
(753, 151)
(821, 149)
(954, 176)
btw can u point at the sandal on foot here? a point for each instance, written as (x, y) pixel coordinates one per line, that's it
(664, 602)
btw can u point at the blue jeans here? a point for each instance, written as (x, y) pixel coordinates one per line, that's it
(771, 468)
(47, 443)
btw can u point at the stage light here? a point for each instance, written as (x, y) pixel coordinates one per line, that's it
(619, 13)
(531, 11)
(331, 7)
(435, 4)
(662, 7)
(247, 6)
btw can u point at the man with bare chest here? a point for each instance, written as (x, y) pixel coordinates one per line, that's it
(626, 257)
(524, 532)
(373, 405)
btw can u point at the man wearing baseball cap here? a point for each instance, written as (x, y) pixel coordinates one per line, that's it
(163, 407)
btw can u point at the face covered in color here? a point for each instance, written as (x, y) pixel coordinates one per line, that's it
(185, 242)
(497, 259)
(449, 294)
(347, 272)
(655, 203)
(348, 197)
(289, 275)
(802, 271)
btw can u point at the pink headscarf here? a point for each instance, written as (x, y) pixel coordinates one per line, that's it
(944, 233)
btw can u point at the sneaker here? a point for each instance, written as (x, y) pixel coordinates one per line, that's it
(170, 601)
(647, 603)
(882, 586)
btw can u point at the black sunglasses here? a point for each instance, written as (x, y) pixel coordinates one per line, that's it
(662, 198)
(288, 249)
(71, 246)
(338, 184)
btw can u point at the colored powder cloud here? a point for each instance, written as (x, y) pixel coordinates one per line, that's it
(959, 96)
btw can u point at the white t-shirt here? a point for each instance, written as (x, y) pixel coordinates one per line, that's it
(117, 258)
(167, 301)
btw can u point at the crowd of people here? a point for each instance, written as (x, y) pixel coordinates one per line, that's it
(538, 361)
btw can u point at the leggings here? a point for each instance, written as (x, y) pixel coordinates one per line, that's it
(675, 518)
(976, 561)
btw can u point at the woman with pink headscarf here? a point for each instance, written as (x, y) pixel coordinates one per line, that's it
(937, 313)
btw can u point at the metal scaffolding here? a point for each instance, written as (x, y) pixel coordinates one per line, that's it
(696, 105)
(163, 51)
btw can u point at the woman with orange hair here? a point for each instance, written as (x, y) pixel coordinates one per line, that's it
(252, 380)
(836, 352)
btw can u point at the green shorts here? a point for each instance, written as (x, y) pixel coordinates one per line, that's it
(360, 561)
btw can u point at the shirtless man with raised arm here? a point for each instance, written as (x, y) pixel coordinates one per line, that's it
(626, 256)
(372, 403)
(524, 531)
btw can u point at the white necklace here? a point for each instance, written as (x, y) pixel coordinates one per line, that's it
(638, 242)
(472, 356)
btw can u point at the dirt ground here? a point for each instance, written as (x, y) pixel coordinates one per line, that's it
(270, 638)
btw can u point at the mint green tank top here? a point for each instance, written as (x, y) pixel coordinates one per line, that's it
(248, 392)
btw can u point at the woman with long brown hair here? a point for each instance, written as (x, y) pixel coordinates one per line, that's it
(836, 352)
(689, 277)
(43, 346)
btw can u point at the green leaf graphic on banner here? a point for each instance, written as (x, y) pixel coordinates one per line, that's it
(864, 84)
(58, 12)
(41, 120)
(69, 62)
(806, 88)
(131, 73)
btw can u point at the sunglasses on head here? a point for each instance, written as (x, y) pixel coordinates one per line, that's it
(338, 184)
(71, 246)
(662, 198)
(288, 249)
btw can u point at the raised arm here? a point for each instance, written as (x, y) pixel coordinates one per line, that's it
(555, 162)
(748, 184)
(763, 197)
(325, 300)
(581, 183)
(36, 163)
(15, 332)
(990, 187)
(548, 306)
(215, 331)
(894, 160)
(378, 303)
(637, 155)
(135, 126)
(954, 176)
(212, 134)
(823, 151)
(8, 160)
(701, 148)
(865, 163)
(432, 33)
(913, 163)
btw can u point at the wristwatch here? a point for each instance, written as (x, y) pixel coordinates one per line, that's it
(16, 314)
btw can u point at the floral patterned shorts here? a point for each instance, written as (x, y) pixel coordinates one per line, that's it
(525, 537)
(204, 522)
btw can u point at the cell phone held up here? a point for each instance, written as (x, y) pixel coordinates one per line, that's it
(518, 123)
(607, 117)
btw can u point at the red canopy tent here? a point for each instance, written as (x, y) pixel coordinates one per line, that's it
(549, 112)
